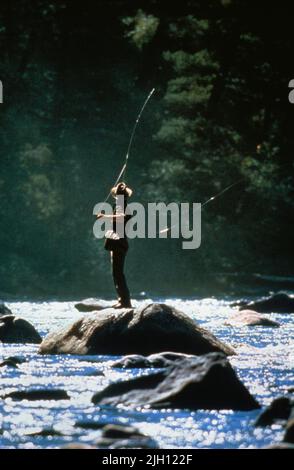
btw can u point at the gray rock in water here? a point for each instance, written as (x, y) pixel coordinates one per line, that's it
(155, 328)
(277, 303)
(249, 318)
(17, 330)
(159, 360)
(279, 409)
(4, 310)
(206, 382)
(40, 394)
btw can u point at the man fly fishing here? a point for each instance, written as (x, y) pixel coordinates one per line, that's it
(116, 242)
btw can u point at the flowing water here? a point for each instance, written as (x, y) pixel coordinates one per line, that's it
(264, 363)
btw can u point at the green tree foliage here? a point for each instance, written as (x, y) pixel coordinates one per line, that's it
(74, 77)
(224, 122)
(142, 28)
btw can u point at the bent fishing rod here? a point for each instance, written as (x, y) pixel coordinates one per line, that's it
(122, 172)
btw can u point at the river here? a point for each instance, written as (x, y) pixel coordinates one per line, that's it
(264, 363)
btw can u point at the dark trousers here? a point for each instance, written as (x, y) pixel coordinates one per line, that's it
(117, 262)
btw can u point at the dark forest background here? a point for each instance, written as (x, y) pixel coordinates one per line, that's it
(75, 75)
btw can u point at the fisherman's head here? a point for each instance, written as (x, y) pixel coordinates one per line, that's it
(121, 189)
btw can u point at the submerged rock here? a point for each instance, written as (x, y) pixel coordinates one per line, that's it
(249, 318)
(281, 445)
(277, 303)
(159, 360)
(93, 425)
(45, 432)
(8, 363)
(17, 359)
(12, 361)
(89, 306)
(289, 434)
(78, 445)
(154, 328)
(279, 409)
(119, 431)
(117, 436)
(17, 330)
(206, 382)
(38, 395)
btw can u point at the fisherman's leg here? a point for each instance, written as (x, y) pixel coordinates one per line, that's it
(113, 271)
(118, 260)
(119, 278)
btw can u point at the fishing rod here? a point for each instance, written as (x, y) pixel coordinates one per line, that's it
(212, 198)
(123, 170)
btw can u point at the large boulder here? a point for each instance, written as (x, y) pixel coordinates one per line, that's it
(249, 318)
(206, 382)
(17, 330)
(154, 328)
(277, 303)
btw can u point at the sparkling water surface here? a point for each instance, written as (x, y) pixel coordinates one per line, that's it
(264, 363)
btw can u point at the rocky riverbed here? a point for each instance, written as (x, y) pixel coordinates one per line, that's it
(47, 399)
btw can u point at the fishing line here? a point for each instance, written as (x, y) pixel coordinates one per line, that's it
(221, 192)
(165, 230)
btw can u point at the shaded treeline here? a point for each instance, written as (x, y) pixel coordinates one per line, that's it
(74, 77)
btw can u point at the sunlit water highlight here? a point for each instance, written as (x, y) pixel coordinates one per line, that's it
(264, 363)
